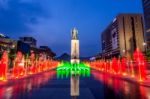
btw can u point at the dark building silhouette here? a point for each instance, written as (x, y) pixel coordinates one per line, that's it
(23, 47)
(32, 42)
(47, 51)
(29, 40)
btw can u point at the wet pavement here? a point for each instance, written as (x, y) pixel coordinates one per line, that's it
(47, 86)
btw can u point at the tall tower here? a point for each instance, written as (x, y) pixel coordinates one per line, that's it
(74, 46)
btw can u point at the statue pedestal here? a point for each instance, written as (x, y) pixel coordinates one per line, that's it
(75, 61)
(74, 49)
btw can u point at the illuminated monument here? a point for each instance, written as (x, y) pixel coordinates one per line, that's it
(75, 46)
(74, 60)
(73, 69)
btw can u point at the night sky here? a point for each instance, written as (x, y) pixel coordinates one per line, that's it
(50, 21)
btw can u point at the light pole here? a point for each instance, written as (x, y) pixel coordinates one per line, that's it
(145, 47)
(124, 52)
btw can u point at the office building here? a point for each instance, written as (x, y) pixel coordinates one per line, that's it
(7, 43)
(146, 7)
(45, 50)
(124, 34)
(29, 40)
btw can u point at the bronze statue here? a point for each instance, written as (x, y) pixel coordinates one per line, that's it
(74, 33)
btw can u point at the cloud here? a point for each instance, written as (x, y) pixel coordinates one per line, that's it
(17, 15)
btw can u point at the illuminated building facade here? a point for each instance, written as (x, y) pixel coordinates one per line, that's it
(123, 36)
(146, 7)
(6, 43)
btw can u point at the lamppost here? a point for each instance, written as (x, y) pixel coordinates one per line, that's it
(145, 47)
(124, 52)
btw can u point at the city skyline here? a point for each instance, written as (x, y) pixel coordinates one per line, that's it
(50, 22)
(74, 49)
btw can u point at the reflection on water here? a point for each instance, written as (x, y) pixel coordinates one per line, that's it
(22, 88)
(115, 88)
(106, 87)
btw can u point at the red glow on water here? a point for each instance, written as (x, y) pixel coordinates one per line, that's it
(25, 86)
(127, 89)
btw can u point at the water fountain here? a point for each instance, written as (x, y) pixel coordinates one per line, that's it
(115, 67)
(41, 63)
(65, 69)
(32, 68)
(18, 69)
(141, 64)
(123, 66)
(132, 73)
(4, 66)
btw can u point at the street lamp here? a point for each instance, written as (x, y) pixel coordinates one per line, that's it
(124, 52)
(144, 45)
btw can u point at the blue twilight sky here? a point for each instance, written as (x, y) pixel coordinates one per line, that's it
(50, 21)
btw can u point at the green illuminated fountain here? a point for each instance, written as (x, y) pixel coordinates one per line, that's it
(66, 69)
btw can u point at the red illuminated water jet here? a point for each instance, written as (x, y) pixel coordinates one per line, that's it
(18, 69)
(4, 66)
(24, 66)
(115, 66)
(141, 64)
(123, 66)
(135, 68)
